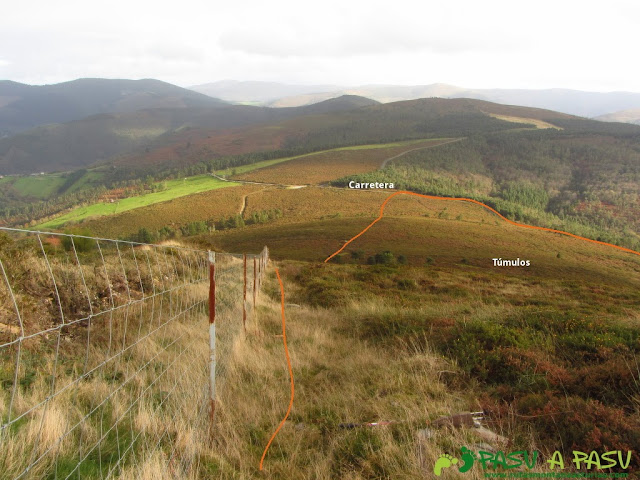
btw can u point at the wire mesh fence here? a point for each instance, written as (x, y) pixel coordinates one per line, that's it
(235, 281)
(106, 370)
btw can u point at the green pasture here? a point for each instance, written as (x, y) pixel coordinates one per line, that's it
(37, 186)
(174, 189)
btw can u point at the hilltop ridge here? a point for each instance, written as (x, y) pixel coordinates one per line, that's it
(27, 106)
(575, 102)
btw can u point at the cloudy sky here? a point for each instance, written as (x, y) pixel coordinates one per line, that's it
(583, 45)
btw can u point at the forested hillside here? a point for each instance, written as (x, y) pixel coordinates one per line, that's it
(27, 106)
(174, 143)
(589, 184)
(580, 174)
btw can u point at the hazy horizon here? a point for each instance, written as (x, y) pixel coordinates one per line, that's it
(497, 44)
(324, 85)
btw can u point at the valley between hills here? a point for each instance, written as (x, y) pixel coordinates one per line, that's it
(413, 320)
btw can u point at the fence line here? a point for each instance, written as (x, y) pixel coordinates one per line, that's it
(103, 352)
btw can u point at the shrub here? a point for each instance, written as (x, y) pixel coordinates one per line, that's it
(145, 236)
(357, 254)
(384, 258)
(81, 244)
(194, 228)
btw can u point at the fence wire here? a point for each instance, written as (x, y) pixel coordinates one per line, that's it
(104, 353)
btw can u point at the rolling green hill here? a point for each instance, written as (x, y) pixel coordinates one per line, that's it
(27, 106)
(576, 163)
(137, 133)
(299, 130)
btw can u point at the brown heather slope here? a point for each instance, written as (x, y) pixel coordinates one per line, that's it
(317, 221)
(297, 205)
(449, 243)
(211, 205)
(365, 348)
(317, 203)
(327, 166)
(548, 352)
(194, 145)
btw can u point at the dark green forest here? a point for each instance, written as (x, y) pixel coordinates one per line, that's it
(585, 183)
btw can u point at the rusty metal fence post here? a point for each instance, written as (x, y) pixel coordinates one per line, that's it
(244, 293)
(259, 271)
(212, 337)
(255, 285)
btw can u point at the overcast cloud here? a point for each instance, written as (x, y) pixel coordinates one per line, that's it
(582, 45)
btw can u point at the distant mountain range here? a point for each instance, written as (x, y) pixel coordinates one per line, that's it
(574, 102)
(262, 93)
(27, 106)
(75, 124)
(158, 125)
(627, 116)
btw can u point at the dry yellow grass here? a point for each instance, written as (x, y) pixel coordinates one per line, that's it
(115, 394)
(532, 121)
(339, 379)
(135, 412)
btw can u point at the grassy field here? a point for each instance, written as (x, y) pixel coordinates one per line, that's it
(37, 186)
(551, 359)
(174, 189)
(547, 352)
(161, 407)
(92, 177)
(550, 352)
(45, 186)
(209, 205)
(339, 378)
(321, 167)
(543, 356)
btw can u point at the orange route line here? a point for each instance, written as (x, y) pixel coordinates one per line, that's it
(286, 352)
(462, 199)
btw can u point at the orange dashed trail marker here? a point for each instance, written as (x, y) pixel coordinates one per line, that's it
(487, 207)
(286, 352)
